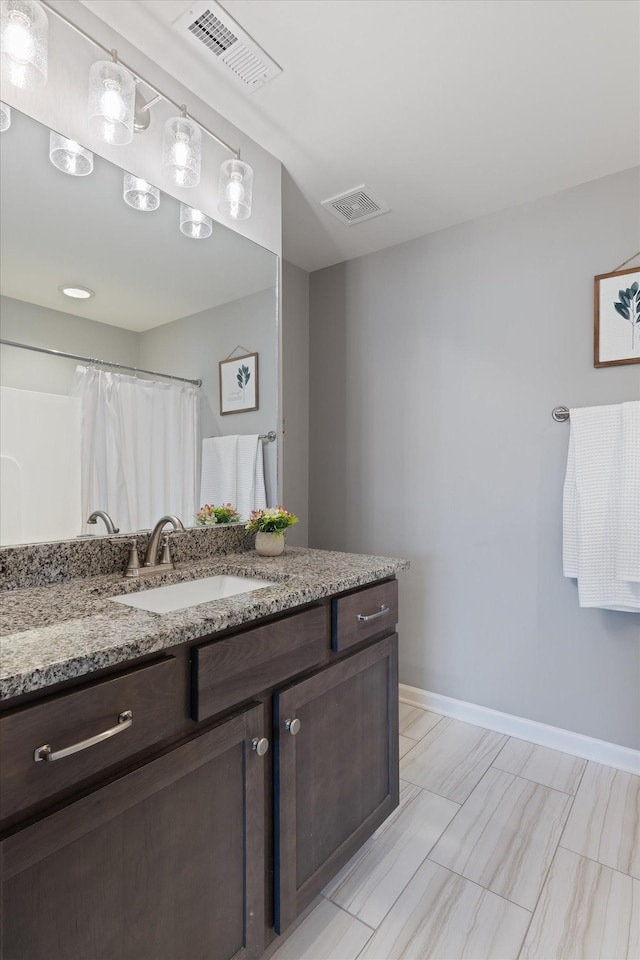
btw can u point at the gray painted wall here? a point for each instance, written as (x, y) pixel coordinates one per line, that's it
(295, 398)
(434, 368)
(39, 326)
(193, 346)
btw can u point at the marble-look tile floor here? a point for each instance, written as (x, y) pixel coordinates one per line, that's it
(499, 849)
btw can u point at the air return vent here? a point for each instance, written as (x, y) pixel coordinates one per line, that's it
(355, 206)
(210, 29)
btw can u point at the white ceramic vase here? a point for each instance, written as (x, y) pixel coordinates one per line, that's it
(269, 544)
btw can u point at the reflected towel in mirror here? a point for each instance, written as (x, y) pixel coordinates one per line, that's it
(233, 472)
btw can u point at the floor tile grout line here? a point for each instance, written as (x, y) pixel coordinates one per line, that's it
(514, 777)
(551, 862)
(599, 863)
(476, 884)
(420, 865)
(352, 916)
(530, 780)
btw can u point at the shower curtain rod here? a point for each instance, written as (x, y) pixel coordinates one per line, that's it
(104, 363)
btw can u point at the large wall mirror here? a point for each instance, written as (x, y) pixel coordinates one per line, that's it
(162, 302)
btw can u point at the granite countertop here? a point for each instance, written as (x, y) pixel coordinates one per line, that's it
(66, 630)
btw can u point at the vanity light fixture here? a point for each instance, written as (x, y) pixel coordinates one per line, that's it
(235, 189)
(182, 150)
(112, 95)
(140, 194)
(77, 292)
(69, 156)
(24, 42)
(116, 109)
(195, 223)
(5, 117)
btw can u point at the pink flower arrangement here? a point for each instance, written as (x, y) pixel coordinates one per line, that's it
(210, 514)
(272, 520)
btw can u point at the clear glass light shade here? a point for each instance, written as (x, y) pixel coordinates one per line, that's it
(24, 42)
(235, 189)
(112, 94)
(182, 151)
(5, 117)
(69, 156)
(194, 223)
(140, 194)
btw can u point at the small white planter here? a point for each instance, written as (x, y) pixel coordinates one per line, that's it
(269, 544)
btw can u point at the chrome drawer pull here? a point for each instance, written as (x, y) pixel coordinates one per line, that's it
(383, 611)
(125, 720)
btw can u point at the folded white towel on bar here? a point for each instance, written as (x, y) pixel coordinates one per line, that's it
(628, 513)
(233, 472)
(598, 519)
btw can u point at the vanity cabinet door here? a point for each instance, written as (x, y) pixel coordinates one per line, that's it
(163, 863)
(336, 770)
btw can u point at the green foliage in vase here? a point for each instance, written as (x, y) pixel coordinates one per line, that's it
(629, 307)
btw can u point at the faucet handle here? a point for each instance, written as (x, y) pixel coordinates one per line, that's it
(166, 552)
(133, 563)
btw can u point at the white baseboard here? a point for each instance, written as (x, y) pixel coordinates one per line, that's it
(576, 744)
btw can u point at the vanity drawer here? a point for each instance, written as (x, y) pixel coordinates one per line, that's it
(227, 672)
(364, 614)
(150, 693)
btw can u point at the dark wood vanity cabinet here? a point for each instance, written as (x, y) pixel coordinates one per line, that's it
(201, 846)
(163, 863)
(336, 770)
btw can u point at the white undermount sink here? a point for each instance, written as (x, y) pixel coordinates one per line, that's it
(179, 596)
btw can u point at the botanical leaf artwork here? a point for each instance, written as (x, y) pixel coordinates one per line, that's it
(629, 307)
(244, 375)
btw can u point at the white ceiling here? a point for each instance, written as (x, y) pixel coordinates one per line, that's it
(446, 109)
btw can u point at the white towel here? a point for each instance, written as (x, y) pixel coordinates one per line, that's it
(594, 510)
(628, 513)
(233, 472)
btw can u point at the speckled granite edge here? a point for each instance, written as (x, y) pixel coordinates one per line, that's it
(72, 629)
(40, 564)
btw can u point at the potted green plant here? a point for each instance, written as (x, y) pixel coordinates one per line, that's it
(210, 514)
(269, 527)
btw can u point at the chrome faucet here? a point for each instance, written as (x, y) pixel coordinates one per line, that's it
(108, 522)
(151, 564)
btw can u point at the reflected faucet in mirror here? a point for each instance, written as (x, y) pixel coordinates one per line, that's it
(151, 563)
(108, 522)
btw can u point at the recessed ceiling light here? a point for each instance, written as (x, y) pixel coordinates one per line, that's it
(78, 293)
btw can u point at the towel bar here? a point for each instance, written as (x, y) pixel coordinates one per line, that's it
(560, 414)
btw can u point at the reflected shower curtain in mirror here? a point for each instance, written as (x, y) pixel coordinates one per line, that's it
(139, 447)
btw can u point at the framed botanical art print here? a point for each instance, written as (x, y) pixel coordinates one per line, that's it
(239, 384)
(617, 318)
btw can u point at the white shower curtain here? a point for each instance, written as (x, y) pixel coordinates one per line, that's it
(139, 447)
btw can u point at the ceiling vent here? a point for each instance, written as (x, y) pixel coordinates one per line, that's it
(355, 206)
(208, 27)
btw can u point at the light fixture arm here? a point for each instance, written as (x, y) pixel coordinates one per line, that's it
(159, 93)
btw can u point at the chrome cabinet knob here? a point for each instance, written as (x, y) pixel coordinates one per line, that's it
(260, 745)
(293, 726)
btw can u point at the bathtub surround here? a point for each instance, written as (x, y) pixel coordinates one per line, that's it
(435, 366)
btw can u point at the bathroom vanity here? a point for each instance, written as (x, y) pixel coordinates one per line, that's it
(249, 747)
